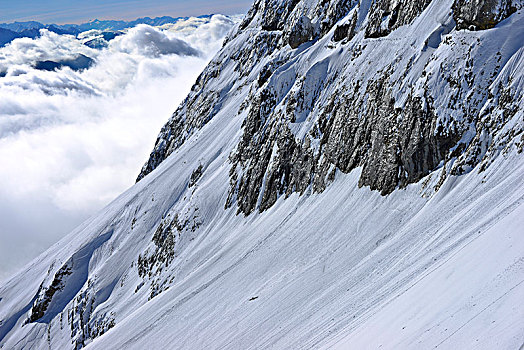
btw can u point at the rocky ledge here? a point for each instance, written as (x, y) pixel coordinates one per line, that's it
(396, 97)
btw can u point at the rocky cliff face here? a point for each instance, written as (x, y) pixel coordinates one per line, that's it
(397, 103)
(483, 14)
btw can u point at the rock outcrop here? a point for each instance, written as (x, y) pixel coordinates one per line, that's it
(482, 14)
(398, 118)
(387, 15)
(300, 32)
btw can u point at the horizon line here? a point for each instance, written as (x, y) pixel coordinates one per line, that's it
(118, 19)
(112, 11)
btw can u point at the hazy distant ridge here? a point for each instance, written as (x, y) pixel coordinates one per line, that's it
(31, 29)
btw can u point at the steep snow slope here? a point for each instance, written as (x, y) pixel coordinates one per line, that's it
(401, 273)
(256, 222)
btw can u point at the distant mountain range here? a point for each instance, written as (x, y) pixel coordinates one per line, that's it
(31, 29)
(343, 174)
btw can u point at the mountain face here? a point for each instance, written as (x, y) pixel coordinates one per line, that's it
(6, 36)
(343, 174)
(398, 110)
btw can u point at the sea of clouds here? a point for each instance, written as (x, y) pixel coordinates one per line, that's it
(71, 141)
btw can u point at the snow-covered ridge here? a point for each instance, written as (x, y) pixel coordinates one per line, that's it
(296, 121)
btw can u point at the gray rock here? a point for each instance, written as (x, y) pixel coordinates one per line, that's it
(346, 30)
(300, 32)
(387, 15)
(330, 12)
(395, 147)
(482, 14)
(358, 123)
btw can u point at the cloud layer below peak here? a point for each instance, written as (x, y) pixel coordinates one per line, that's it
(71, 139)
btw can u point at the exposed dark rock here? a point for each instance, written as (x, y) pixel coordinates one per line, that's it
(482, 14)
(158, 257)
(195, 175)
(502, 107)
(330, 12)
(300, 32)
(41, 304)
(341, 32)
(358, 123)
(346, 30)
(164, 239)
(395, 146)
(203, 101)
(387, 15)
(54, 296)
(275, 14)
(83, 322)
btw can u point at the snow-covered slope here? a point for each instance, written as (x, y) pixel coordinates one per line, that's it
(342, 175)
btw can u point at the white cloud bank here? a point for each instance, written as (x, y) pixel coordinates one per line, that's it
(71, 141)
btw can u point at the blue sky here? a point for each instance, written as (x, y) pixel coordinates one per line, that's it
(77, 11)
